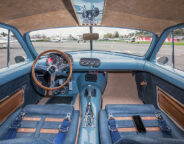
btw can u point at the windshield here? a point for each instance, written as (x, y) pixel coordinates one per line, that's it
(121, 40)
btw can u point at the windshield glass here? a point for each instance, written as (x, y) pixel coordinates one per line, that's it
(129, 41)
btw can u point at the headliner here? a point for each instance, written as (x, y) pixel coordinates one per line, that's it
(151, 15)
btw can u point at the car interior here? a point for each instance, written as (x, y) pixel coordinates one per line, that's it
(91, 72)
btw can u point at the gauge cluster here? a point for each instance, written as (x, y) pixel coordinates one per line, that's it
(58, 59)
(90, 62)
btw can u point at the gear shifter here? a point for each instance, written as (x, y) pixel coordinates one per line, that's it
(89, 115)
(89, 91)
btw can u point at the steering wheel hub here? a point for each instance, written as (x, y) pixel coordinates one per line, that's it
(52, 69)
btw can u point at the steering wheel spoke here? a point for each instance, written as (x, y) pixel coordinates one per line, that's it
(63, 66)
(40, 67)
(52, 80)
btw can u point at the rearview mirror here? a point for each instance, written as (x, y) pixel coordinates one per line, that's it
(162, 60)
(90, 36)
(19, 59)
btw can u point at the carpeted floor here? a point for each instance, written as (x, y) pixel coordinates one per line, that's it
(121, 89)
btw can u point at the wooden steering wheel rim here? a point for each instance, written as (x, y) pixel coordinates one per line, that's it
(33, 70)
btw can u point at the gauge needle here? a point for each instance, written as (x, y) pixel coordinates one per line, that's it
(50, 60)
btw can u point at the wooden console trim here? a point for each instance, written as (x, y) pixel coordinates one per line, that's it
(172, 107)
(10, 104)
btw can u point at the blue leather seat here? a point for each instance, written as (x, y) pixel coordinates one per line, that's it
(150, 137)
(42, 112)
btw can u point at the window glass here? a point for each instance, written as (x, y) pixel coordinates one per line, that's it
(3, 47)
(15, 53)
(16, 49)
(166, 51)
(63, 39)
(179, 48)
(122, 40)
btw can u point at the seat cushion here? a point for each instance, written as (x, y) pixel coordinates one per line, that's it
(127, 111)
(43, 112)
(148, 140)
(24, 141)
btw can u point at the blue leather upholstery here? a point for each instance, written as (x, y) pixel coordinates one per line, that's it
(42, 111)
(24, 141)
(148, 140)
(128, 110)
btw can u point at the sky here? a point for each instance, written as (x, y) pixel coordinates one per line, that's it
(81, 30)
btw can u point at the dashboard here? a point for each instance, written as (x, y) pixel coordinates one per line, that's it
(105, 61)
(90, 63)
(100, 61)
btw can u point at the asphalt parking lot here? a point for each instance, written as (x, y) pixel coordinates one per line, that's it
(131, 48)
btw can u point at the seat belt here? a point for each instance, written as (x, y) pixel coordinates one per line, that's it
(162, 123)
(113, 129)
(60, 137)
(12, 131)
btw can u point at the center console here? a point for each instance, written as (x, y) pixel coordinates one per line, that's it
(91, 86)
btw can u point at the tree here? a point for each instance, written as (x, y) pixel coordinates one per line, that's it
(116, 34)
(108, 35)
(4, 34)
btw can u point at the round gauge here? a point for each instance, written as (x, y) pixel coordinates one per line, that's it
(60, 61)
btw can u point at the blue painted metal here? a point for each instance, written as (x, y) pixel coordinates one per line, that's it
(152, 46)
(30, 46)
(88, 134)
(120, 62)
(100, 83)
(14, 71)
(109, 61)
(162, 39)
(167, 73)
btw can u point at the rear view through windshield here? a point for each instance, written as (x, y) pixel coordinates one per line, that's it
(121, 40)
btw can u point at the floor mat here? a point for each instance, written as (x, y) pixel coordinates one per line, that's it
(121, 89)
(77, 103)
(43, 100)
(60, 100)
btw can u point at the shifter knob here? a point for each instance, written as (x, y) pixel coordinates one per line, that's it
(89, 90)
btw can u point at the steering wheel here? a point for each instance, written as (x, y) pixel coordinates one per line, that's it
(52, 69)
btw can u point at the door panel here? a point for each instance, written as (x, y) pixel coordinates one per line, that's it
(173, 108)
(148, 93)
(10, 104)
(15, 76)
(23, 81)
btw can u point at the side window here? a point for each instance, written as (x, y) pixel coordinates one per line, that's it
(11, 52)
(179, 49)
(172, 51)
(164, 56)
(3, 48)
(17, 53)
